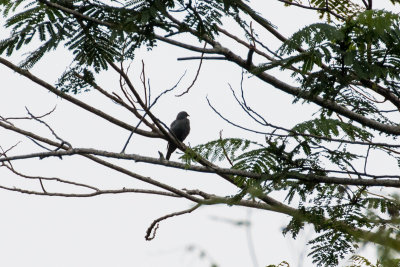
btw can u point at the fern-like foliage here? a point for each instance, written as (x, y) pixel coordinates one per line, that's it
(278, 161)
(75, 80)
(327, 127)
(99, 32)
(122, 28)
(93, 45)
(218, 150)
(281, 264)
(343, 9)
(335, 246)
(360, 261)
(339, 61)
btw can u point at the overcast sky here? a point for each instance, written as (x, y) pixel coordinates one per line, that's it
(109, 230)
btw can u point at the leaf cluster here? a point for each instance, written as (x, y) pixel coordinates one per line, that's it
(93, 44)
(341, 63)
(75, 80)
(98, 32)
(341, 8)
(327, 206)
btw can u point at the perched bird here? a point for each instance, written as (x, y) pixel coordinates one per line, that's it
(180, 128)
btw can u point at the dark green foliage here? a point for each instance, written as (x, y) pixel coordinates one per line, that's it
(76, 80)
(92, 44)
(294, 227)
(331, 246)
(330, 128)
(215, 150)
(360, 261)
(282, 264)
(38, 22)
(121, 31)
(277, 160)
(339, 60)
(341, 8)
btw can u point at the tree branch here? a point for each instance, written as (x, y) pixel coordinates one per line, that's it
(149, 237)
(96, 193)
(313, 8)
(376, 180)
(75, 101)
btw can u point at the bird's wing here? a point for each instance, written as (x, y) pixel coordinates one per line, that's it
(181, 129)
(174, 125)
(185, 129)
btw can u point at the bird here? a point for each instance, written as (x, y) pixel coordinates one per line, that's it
(180, 128)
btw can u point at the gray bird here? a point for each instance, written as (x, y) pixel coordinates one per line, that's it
(180, 128)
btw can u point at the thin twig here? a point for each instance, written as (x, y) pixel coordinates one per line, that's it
(143, 79)
(30, 118)
(148, 109)
(40, 178)
(155, 223)
(41, 185)
(97, 193)
(197, 73)
(292, 133)
(51, 130)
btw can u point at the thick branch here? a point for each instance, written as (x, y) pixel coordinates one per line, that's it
(184, 45)
(374, 181)
(270, 203)
(100, 161)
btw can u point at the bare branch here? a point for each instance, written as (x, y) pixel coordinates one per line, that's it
(119, 101)
(96, 193)
(295, 91)
(75, 101)
(48, 127)
(197, 58)
(155, 223)
(186, 46)
(30, 118)
(377, 180)
(40, 178)
(95, 159)
(197, 74)
(152, 104)
(9, 149)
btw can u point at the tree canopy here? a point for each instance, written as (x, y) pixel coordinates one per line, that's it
(347, 64)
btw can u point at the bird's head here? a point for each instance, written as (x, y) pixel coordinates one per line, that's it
(182, 115)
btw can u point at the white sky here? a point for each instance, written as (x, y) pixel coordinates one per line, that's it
(109, 230)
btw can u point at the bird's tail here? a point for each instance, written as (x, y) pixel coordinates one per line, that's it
(170, 149)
